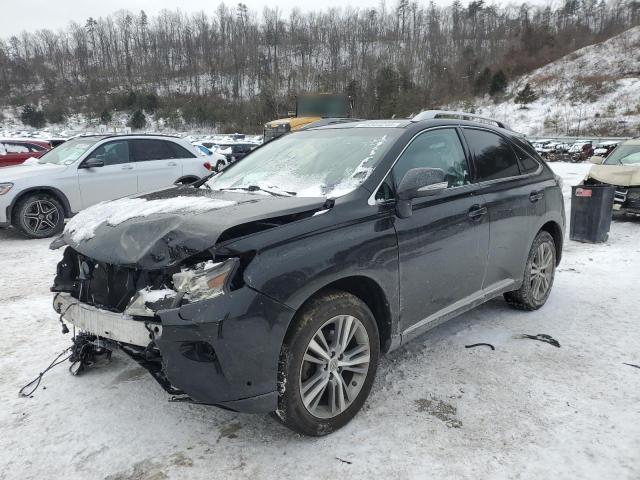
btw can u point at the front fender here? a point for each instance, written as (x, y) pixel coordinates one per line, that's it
(292, 271)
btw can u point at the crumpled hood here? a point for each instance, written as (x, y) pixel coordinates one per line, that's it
(620, 175)
(163, 239)
(28, 170)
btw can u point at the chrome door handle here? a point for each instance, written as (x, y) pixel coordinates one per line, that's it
(172, 164)
(127, 167)
(535, 196)
(477, 211)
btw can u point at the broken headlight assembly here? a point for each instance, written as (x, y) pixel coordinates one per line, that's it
(205, 280)
(201, 281)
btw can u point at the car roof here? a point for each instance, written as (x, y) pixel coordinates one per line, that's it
(392, 123)
(132, 135)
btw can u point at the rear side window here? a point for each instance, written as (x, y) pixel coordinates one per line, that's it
(179, 151)
(494, 157)
(147, 150)
(112, 153)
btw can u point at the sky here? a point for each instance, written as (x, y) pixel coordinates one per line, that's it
(19, 15)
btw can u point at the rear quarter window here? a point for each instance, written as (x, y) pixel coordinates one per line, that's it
(527, 163)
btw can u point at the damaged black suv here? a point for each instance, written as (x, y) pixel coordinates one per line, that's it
(275, 285)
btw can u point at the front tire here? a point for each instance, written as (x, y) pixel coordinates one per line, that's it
(538, 275)
(328, 364)
(38, 216)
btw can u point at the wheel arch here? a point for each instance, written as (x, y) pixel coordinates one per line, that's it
(186, 179)
(56, 193)
(371, 293)
(555, 231)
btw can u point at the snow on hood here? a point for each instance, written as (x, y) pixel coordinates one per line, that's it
(83, 226)
(620, 175)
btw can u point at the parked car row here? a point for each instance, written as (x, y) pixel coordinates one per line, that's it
(575, 152)
(226, 149)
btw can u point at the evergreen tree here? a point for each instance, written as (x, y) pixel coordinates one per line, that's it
(498, 83)
(526, 95)
(32, 116)
(137, 120)
(105, 117)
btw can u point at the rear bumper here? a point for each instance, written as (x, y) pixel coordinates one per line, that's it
(222, 352)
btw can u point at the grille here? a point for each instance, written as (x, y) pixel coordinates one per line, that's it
(103, 285)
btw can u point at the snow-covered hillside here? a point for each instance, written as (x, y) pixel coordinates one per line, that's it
(592, 91)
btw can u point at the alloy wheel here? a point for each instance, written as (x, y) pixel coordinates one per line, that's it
(335, 366)
(541, 271)
(41, 216)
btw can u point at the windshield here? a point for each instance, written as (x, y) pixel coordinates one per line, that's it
(624, 155)
(70, 151)
(313, 163)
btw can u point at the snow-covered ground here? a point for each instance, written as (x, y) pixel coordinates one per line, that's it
(527, 410)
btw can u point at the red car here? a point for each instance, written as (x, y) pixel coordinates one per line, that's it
(13, 152)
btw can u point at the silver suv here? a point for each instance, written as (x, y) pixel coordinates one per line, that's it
(37, 196)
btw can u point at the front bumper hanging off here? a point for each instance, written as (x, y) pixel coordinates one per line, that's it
(223, 352)
(114, 326)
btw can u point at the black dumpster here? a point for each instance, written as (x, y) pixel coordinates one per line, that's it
(591, 207)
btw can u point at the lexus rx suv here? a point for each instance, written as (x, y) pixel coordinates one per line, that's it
(276, 285)
(37, 196)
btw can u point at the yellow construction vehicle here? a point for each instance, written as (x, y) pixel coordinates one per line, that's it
(310, 108)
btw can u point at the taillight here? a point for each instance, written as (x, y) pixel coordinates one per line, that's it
(207, 165)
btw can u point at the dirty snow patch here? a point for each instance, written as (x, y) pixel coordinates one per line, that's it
(83, 226)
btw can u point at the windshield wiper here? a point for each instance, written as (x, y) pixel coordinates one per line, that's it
(256, 188)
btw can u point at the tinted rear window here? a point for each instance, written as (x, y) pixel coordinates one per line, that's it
(494, 157)
(147, 150)
(179, 151)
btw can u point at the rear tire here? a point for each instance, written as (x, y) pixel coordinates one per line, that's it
(538, 275)
(219, 166)
(38, 216)
(327, 364)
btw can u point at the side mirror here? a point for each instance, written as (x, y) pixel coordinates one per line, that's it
(92, 163)
(422, 182)
(416, 183)
(597, 160)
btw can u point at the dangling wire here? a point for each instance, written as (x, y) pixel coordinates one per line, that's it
(37, 380)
